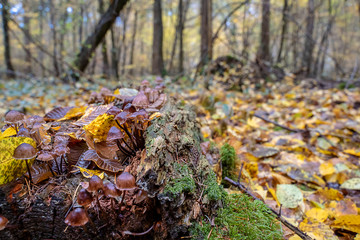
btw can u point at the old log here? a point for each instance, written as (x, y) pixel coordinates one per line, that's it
(176, 186)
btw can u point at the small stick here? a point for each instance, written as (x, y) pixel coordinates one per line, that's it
(277, 124)
(278, 216)
(240, 172)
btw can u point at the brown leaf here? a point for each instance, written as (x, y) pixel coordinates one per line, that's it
(56, 113)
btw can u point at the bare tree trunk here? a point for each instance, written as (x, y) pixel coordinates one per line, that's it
(126, 17)
(62, 38)
(157, 54)
(284, 29)
(309, 41)
(173, 50)
(80, 31)
(245, 36)
(26, 20)
(105, 67)
(131, 62)
(323, 46)
(264, 50)
(206, 31)
(182, 14)
(104, 24)
(54, 37)
(114, 59)
(5, 18)
(41, 29)
(295, 38)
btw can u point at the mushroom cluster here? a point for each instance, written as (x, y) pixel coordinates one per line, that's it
(95, 189)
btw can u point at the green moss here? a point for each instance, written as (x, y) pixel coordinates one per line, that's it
(242, 218)
(214, 191)
(227, 156)
(183, 183)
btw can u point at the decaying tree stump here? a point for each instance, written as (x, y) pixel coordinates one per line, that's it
(177, 178)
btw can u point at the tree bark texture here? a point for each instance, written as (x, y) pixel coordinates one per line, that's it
(172, 143)
(105, 23)
(26, 20)
(206, 31)
(7, 48)
(157, 51)
(264, 50)
(309, 41)
(105, 67)
(285, 20)
(133, 37)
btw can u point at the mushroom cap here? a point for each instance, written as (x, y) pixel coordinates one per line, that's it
(77, 217)
(125, 181)
(24, 151)
(84, 198)
(23, 132)
(141, 100)
(3, 222)
(14, 116)
(95, 184)
(45, 156)
(114, 133)
(110, 190)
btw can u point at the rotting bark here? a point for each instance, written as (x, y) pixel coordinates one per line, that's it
(173, 172)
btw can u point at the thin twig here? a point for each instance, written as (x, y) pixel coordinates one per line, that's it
(277, 124)
(278, 216)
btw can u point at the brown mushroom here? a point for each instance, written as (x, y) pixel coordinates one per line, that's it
(111, 192)
(25, 152)
(125, 182)
(96, 186)
(140, 101)
(14, 117)
(84, 198)
(3, 222)
(23, 132)
(77, 217)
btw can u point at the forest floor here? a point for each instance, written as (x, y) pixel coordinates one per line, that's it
(299, 146)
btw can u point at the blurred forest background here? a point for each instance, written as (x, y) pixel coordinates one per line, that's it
(115, 39)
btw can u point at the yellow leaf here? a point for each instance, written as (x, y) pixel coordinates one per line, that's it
(100, 126)
(155, 115)
(253, 122)
(357, 237)
(74, 113)
(10, 168)
(326, 169)
(317, 215)
(273, 194)
(89, 173)
(319, 231)
(353, 152)
(295, 237)
(349, 222)
(8, 132)
(56, 128)
(329, 194)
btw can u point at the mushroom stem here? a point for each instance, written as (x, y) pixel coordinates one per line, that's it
(27, 165)
(57, 165)
(122, 149)
(98, 203)
(61, 163)
(122, 198)
(132, 150)
(52, 172)
(112, 203)
(128, 133)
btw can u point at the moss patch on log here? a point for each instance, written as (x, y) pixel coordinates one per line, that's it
(242, 218)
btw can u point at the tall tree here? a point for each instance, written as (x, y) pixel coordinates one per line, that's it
(26, 20)
(285, 20)
(264, 50)
(5, 19)
(206, 31)
(105, 66)
(125, 20)
(114, 58)
(92, 41)
(157, 54)
(133, 37)
(54, 38)
(309, 41)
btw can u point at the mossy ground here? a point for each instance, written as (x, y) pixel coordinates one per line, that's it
(241, 218)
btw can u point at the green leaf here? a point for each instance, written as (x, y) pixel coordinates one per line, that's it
(289, 195)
